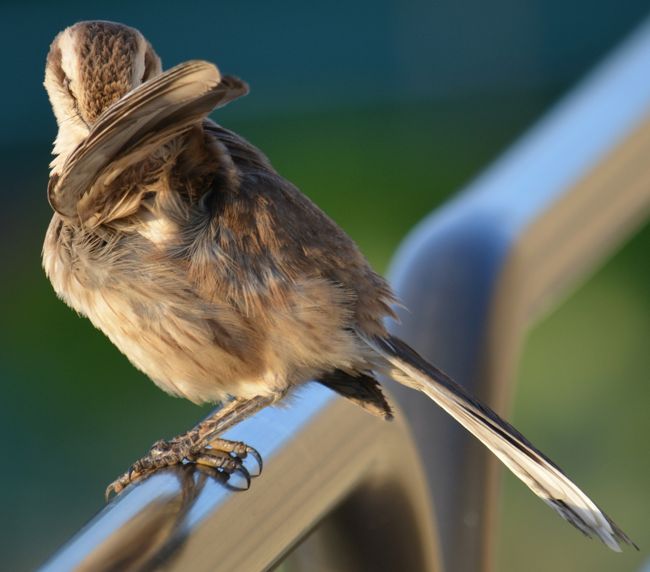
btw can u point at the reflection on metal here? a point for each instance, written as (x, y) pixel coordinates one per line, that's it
(149, 538)
(481, 270)
(328, 467)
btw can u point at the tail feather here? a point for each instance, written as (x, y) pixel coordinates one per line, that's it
(536, 470)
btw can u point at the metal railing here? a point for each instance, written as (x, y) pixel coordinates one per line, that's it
(482, 269)
(325, 462)
(344, 491)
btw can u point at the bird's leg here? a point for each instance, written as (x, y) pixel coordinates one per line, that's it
(201, 445)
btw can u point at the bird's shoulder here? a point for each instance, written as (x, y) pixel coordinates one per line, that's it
(265, 221)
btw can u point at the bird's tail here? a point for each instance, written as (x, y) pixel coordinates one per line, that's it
(541, 475)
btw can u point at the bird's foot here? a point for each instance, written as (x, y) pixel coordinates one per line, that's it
(225, 456)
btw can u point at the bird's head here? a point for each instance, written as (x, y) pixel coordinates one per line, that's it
(90, 66)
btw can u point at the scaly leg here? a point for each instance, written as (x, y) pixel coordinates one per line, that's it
(201, 445)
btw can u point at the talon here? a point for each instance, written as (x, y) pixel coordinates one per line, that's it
(238, 449)
(220, 454)
(242, 450)
(117, 486)
(258, 459)
(109, 490)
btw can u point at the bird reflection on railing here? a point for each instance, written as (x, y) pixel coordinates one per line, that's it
(157, 532)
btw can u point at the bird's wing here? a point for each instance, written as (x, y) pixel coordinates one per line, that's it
(536, 470)
(140, 122)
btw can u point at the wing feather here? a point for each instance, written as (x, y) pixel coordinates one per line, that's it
(143, 120)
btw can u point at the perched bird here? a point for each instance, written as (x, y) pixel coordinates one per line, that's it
(214, 275)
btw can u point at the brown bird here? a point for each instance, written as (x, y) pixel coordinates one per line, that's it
(214, 275)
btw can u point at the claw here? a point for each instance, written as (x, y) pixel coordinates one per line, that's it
(135, 473)
(220, 454)
(224, 461)
(116, 487)
(110, 489)
(258, 459)
(239, 449)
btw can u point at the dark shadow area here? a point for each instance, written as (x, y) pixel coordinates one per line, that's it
(360, 534)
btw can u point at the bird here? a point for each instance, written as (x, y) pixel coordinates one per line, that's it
(217, 277)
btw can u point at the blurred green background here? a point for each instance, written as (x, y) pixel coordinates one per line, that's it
(379, 111)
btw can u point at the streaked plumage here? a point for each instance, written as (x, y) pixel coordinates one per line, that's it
(213, 274)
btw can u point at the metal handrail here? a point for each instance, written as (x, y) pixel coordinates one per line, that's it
(325, 461)
(480, 271)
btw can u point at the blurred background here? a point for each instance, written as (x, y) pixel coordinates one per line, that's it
(379, 110)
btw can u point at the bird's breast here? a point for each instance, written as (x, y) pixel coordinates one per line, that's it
(195, 346)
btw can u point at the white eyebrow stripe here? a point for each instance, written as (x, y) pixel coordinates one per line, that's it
(69, 57)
